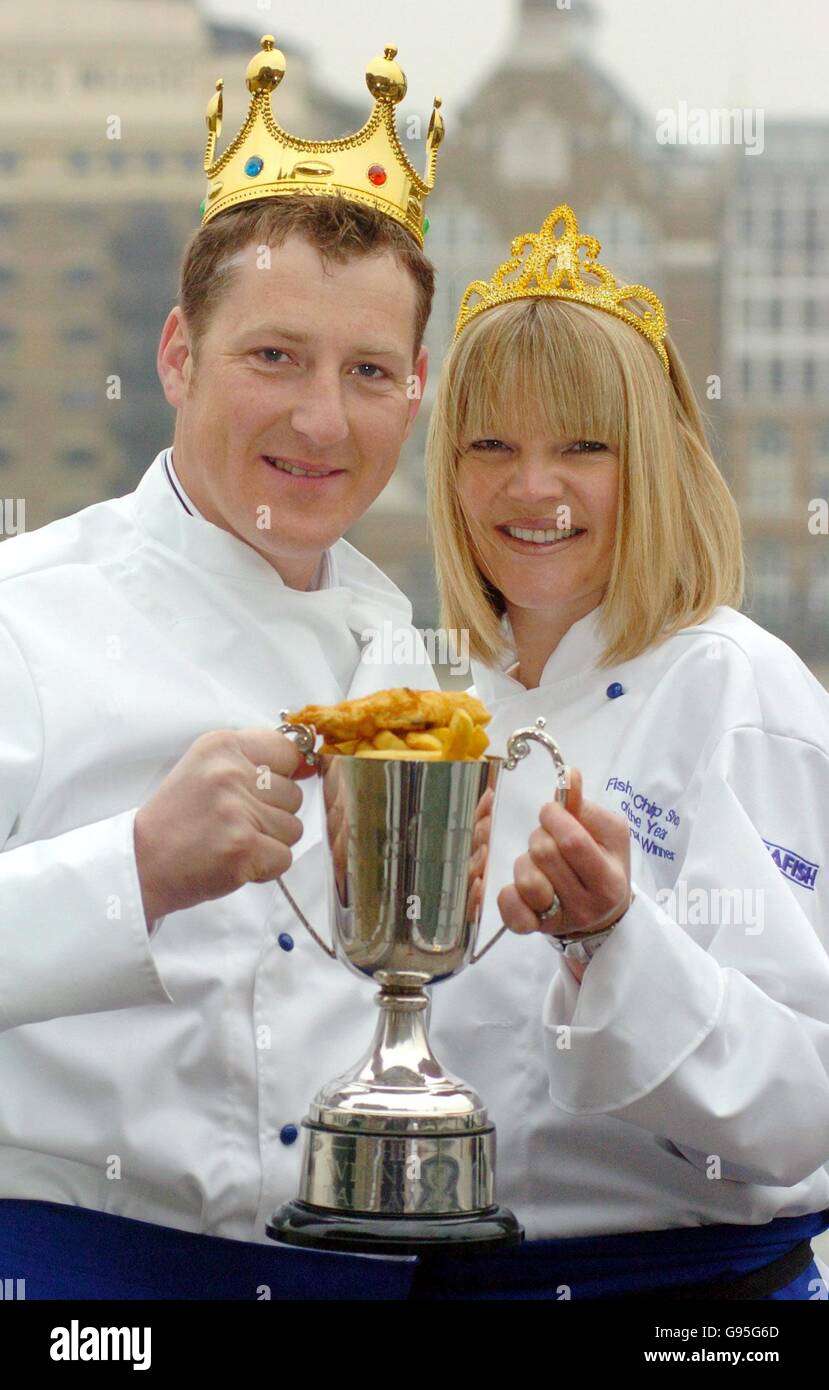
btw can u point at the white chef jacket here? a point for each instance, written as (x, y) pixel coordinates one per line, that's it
(684, 1082)
(160, 1078)
(163, 1077)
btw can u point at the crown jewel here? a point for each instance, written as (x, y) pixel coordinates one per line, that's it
(370, 167)
(553, 269)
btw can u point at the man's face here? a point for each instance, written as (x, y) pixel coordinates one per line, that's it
(292, 422)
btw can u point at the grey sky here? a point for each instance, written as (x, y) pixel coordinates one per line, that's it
(750, 53)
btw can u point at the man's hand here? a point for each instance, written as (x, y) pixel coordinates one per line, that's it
(210, 827)
(583, 852)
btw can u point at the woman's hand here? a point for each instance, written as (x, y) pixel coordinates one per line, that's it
(582, 852)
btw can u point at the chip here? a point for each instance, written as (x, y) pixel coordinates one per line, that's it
(423, 725)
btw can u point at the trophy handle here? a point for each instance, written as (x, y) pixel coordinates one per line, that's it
(306, 737)
(518, 746)
(305, 740)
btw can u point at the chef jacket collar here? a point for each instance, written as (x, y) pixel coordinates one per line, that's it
(371, 598)
(177, 485)
(322, 578)
(577, 653)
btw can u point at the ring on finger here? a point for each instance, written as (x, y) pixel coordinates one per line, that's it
(551, 911)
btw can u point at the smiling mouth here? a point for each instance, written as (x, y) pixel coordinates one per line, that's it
(296, 470)
(543, 539)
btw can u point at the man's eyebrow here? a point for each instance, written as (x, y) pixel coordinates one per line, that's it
(270, 330)
(380, 352)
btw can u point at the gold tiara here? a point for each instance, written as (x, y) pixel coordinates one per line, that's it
(567, 280)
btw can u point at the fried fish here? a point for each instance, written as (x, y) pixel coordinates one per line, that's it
(432, 725)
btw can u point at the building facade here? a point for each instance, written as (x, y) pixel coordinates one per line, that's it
(775, 328)
(99, 191)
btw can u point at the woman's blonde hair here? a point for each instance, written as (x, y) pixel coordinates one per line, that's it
(575, 372)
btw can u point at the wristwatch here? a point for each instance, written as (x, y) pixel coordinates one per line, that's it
(583, 946)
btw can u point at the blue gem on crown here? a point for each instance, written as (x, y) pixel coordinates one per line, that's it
(254, 165)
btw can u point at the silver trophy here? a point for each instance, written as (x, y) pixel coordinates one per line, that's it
(399, 1156)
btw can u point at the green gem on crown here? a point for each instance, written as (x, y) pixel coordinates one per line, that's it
(426, 225)
(202, 206)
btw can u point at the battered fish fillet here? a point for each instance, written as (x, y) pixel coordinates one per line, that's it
(389, 709)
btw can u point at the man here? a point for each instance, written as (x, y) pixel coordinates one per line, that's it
(158, 1070)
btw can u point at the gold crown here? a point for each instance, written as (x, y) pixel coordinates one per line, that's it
(370, 167)
(567, 281)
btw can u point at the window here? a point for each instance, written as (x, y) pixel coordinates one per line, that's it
(461, 240)
(809, 376)
(746, 376)
(820, 467)
(80, 397)
(819, 587)
(80, 333)
(630, 242)
(82, 214)
(771, 476)
(532, 150)
(77, 457)
(769, 586)
(79, 275)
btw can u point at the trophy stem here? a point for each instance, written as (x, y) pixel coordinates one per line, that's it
(400, 1053)
(398, 1155)
(398, 1086)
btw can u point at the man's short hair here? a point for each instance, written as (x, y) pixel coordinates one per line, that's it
(339, 229)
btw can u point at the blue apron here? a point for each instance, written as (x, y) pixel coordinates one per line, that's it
(69, 1252)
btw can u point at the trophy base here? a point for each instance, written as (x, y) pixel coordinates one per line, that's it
(298, 1223)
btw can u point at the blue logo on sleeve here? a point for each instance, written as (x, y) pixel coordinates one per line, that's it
(792, 866)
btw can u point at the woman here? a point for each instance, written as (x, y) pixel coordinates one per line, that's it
(661, 1089)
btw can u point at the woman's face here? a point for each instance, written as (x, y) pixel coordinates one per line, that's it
(523, 495)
